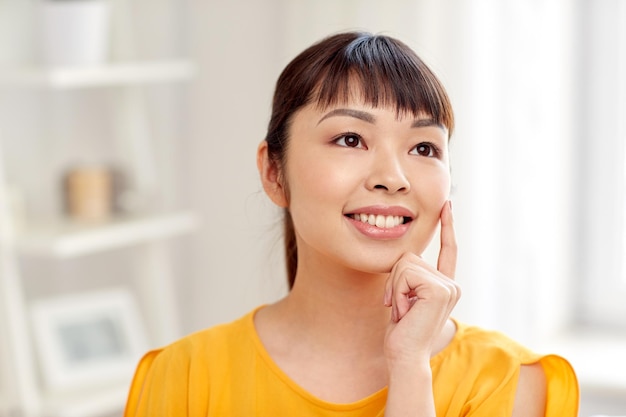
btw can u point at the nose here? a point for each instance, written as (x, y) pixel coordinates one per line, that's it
(386, 174)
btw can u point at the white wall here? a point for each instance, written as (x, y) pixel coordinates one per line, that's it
(236, 257)
(511, 200)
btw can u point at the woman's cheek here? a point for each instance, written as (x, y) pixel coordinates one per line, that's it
(434, 189)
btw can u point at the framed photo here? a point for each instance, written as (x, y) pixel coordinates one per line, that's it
(88, 339)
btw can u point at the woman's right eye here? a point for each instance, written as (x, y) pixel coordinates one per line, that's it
(349, 141)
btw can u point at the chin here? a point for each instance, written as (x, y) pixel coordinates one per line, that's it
(376, 267)
(381, 264)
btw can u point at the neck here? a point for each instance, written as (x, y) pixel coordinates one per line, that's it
(338, 307)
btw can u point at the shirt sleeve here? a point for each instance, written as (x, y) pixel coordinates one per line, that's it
(563, 394)
(478, 375)
(496, 394)
(159, 387)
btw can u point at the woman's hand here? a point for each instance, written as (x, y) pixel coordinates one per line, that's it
(421, 298)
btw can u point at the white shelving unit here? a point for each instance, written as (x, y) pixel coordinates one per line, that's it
(65, 240)
(129, 73)
(22, 391)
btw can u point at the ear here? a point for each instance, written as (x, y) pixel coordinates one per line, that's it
(270, 176)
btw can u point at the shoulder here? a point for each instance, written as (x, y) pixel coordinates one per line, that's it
(204, 345)
(213, 337)
(481, 347)
(166, 378)
(493, 348)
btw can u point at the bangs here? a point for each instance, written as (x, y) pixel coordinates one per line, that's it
(385, 72)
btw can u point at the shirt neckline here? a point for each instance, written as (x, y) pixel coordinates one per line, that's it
(364, 402)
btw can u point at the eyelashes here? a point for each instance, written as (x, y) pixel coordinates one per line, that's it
(354, 140)
(349, 140)
(426, 149)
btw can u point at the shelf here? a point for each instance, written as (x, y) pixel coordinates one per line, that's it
(67, 240)
(110, 400)
(102, 76)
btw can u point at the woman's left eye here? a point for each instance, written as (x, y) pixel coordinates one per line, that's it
(425, 149)
(349, 141)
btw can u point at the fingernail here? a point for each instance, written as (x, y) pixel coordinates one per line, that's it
(450, 205)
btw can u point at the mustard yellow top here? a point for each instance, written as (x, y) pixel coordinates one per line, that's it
(225, 371)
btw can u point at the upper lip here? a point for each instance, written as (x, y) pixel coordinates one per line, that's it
(383, 211)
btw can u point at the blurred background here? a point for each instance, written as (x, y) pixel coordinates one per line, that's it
(131, 210)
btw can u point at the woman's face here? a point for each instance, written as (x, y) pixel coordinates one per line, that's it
(365, 184)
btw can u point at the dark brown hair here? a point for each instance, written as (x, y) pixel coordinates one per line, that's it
(387, 72)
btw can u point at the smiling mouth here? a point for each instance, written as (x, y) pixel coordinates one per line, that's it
(378, 220)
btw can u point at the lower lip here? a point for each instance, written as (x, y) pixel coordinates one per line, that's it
(381, 233)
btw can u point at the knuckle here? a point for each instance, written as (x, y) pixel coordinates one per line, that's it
(406, 260)
(442, 292)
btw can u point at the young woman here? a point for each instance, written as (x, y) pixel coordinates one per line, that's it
(357, 156)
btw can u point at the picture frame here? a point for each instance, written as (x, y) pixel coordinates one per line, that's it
(88, 339)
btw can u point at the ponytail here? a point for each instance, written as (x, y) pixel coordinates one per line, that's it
(291, 248)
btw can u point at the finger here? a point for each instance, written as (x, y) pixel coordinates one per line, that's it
(406, 288)
(387, 300)
(391, 287)
(446, 263)
(427, 294)
(388, 290)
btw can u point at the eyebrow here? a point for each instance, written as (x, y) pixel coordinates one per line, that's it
(427, 123)
(369, 118)
(358, 114)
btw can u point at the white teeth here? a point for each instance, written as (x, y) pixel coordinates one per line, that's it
(381, 221)
(390, 221)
